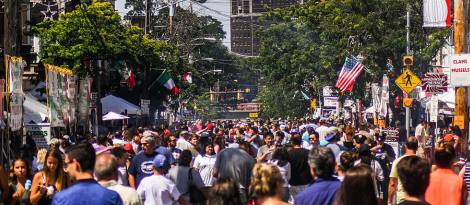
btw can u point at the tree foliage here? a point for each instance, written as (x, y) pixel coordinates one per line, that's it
(307, 47)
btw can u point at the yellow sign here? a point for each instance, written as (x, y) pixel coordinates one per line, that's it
(459, 120)
(381, 123)
(407, 81)
(314, 104)
(254, 115)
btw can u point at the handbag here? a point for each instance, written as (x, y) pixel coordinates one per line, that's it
(195, 195)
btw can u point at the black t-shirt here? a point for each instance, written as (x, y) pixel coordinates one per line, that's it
(384, 163)
(413, 203)
(300, 170)
(402, 134)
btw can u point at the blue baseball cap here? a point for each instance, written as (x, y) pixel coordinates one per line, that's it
(329, 137)
(295, 131)
(160, 163)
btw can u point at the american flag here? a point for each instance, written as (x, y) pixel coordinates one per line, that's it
(351, 69)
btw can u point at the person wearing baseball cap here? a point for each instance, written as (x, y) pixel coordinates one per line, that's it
(206, 135)
(385, 155)
(158, 189)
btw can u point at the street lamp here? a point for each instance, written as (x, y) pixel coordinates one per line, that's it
(215, 71)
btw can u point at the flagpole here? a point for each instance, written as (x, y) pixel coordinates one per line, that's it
(157, 78)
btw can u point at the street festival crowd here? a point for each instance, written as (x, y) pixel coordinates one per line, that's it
(224, 162)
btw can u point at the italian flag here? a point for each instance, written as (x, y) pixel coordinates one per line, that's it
(126, 73)
(165, 80)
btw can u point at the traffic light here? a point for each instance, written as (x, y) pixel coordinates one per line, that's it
(407, 102)
(407, 60)
(239, 95)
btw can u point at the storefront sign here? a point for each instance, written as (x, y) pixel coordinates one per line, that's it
(460, 70)
(41, 134)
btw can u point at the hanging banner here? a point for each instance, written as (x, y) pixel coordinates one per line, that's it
(436, 13)
(376, 96)
(16, 112)
(71, 100)
(56, 114)
(84, 101)
(15, 74)
(52, 83)
(434, 83)
(384, 98)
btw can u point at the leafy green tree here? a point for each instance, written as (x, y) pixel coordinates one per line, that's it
(314, 39)
(96, 32)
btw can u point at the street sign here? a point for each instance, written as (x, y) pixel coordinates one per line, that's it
(254, 115)
(433, 110)
(460, 70)
(459, 120)
(145, 107)
(434, 83)
(407, 81)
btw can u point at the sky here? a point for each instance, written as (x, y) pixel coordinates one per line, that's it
(219, 9)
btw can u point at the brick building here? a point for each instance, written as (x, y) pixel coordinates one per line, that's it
(244, 21)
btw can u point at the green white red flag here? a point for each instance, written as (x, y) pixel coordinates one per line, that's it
(165, 80)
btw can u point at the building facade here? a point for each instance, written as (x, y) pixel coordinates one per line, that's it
(244, 22)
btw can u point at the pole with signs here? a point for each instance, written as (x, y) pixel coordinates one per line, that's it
(460, 42)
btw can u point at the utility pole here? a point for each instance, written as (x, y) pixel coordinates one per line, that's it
(148, 24)
(12, 28)
(460, 41)
(408, 110)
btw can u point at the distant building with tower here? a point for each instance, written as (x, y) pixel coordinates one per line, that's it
(244, 22)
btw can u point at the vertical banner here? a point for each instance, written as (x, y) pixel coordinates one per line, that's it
(57, 117)
(16, 112)
(384, 98)
(71, 98)
(436, 13)
(84, 101)
(15, 74)
(376, 96)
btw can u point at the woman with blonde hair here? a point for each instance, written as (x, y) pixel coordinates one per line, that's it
(49, 181)
(41, 159)
(267, 184)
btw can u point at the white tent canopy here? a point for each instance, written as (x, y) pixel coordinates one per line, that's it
(118, 105)
(114, 116)
(33, 110)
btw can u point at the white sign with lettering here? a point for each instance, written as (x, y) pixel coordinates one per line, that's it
(460, 69)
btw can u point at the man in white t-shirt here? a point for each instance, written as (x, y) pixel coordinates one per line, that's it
(182, 143)
(157, 189)
(322, 131)
(395, 185)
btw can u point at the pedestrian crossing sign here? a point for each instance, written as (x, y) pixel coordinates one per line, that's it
(407, 81)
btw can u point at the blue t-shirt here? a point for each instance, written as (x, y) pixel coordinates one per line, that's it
(322, 191)
(141, 166)
(88, 192)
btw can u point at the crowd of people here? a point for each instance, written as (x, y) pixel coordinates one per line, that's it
(295, 161)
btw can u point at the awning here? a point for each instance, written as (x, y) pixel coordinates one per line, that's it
(114, 116)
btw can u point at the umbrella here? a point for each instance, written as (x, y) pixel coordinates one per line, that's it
(114, 116)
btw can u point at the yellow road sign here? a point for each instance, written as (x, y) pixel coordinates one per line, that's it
(407, 81)
(254, 115)
(314, 104)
